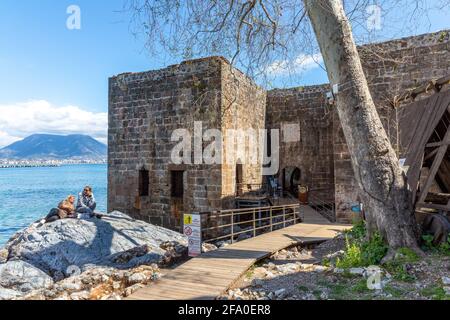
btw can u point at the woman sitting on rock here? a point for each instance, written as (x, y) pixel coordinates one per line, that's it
(86, 204)
(66, 209)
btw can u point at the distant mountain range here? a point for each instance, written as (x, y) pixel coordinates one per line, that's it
(47, 146)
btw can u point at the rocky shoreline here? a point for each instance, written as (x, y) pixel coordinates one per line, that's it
(96, 259)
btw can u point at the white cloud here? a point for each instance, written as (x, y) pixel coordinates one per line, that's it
(20, 120)
(303, 63)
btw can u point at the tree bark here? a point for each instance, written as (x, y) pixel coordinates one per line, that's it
(383, 184)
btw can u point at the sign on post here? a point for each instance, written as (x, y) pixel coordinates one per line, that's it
(192, 229)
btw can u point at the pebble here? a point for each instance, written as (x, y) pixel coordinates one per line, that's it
(446, 281)
(320, 268)
(287, 268)
(136, 278)
(82, 295)
(281, 293)
(130, 290)
(71, 286)
(357, 271)
(207, 247)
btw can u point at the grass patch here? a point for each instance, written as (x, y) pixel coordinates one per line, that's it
(303, 288)
(317, 293)
(442, 249)
(394, 292)
(249, 273)
(338, 291)
(398, 267)
(361, 287)
(435, 293)
(407, 255)
(398, 271)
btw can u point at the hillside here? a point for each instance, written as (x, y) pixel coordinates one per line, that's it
(46, 146)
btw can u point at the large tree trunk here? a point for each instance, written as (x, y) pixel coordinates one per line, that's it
(377, 170)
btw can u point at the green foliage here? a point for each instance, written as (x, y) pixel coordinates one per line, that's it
(360, 287)
(358, 232)
(399, 271)
(395, 292)
(303, 288)
(435, 293)
(338, 291)
(326, 262)
(373, 251)
(352, 256)
(407, 255)
(442, 36)
(358, 251)
(428, 245)
(398, 266)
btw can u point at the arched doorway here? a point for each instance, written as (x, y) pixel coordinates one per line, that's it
(291, 179)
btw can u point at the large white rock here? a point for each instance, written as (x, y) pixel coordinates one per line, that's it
(23, 277)
(8, 294)
(68, 246)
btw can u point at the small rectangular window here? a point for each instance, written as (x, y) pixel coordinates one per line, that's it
(144, 182)
(176, 184)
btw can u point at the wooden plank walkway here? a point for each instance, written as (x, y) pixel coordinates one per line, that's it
(211, 274)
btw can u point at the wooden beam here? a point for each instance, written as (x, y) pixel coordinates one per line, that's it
(435, 167)
(437, 144)
(433, 206)
(430, 155)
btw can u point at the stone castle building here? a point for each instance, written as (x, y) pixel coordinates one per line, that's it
(145, 109)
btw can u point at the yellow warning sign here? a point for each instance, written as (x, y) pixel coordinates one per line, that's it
(187, 219)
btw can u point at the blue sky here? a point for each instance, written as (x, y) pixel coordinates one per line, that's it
(47, 69)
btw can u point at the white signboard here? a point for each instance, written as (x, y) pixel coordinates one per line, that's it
(192, 229)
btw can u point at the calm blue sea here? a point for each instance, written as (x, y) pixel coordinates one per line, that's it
(27, 194)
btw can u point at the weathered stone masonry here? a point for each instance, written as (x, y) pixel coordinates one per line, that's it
(145, 108)
(391, 68)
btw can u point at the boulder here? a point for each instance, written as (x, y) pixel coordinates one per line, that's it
(8, 294)
(116, 241)
(23, 277)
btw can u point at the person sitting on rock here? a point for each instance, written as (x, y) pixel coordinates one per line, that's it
(66, 209)
(86, 204)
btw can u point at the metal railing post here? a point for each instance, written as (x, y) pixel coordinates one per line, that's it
(232, 226)
(271, 220)
(254, 223)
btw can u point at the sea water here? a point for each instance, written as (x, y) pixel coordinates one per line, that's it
(27, 194)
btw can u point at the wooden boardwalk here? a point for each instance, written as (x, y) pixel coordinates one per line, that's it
(211, 274)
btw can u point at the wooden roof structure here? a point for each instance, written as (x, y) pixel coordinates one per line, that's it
(424, 131)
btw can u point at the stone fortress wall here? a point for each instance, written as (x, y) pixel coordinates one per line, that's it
(145, 108)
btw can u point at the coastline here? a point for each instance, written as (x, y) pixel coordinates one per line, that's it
(8, 164)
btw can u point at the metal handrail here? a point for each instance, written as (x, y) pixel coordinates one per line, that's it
(327, 208)
(288, 214)
(223, 213)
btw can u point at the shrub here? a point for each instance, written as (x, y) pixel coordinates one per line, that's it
(362, 253)
(374, 250)
(352, 256)
(428, 245)
(358, 232)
